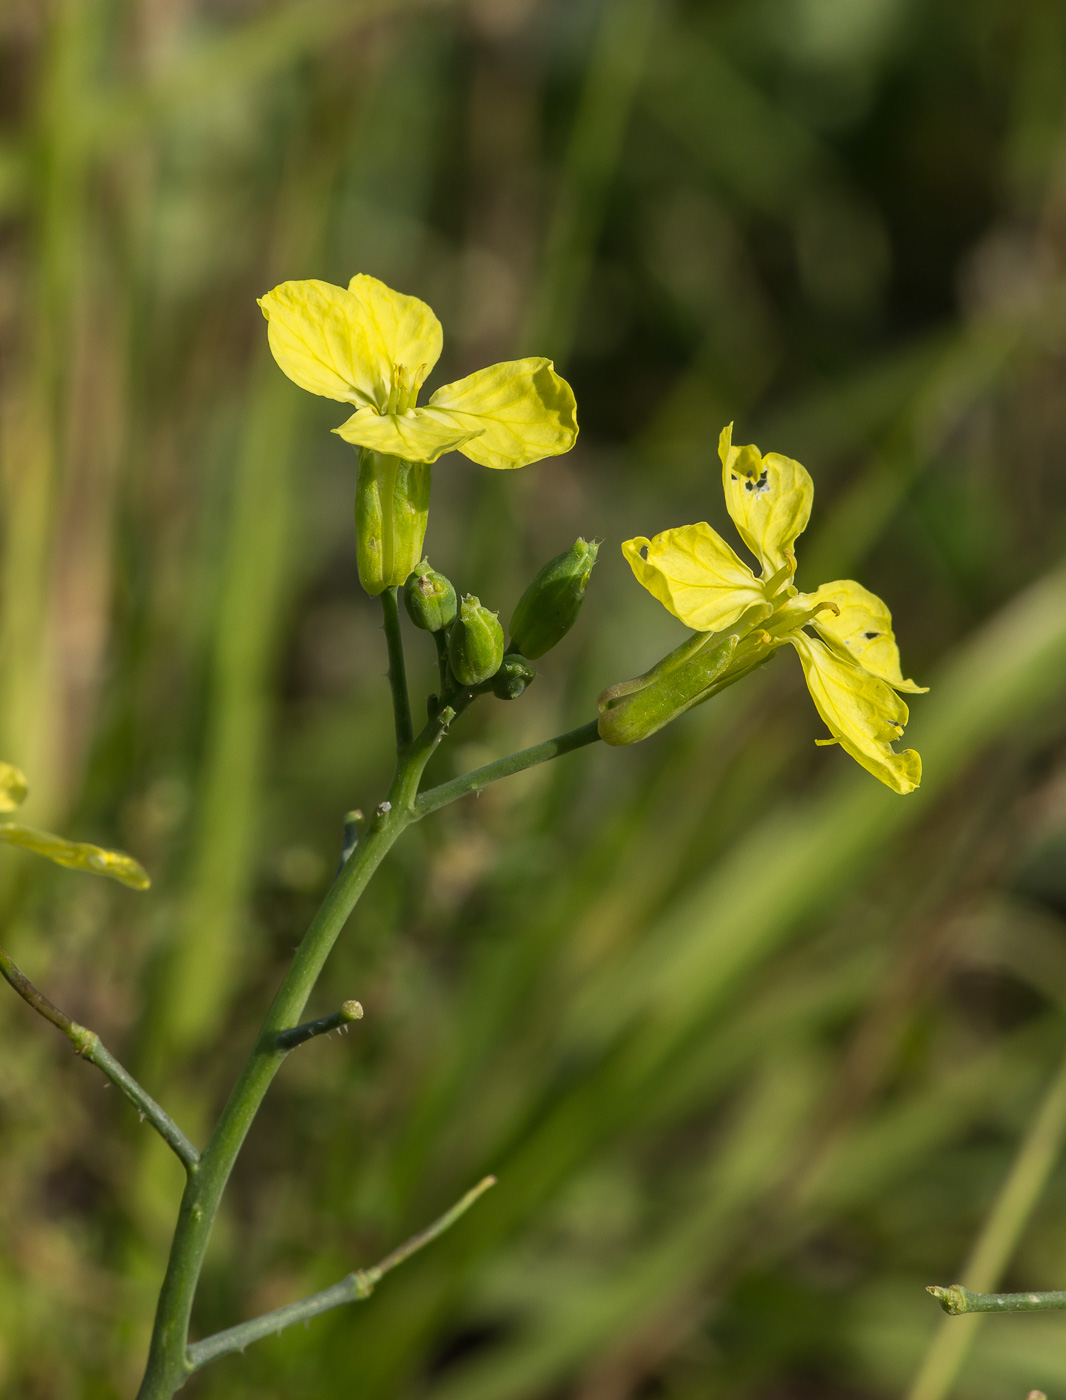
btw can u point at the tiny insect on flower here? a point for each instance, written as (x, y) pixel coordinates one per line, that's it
(842, 632)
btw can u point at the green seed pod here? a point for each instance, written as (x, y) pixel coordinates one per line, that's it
(514, 675)
(475, 643)
(700, 667)
(549, 607)
(429, 598)
(391, 511)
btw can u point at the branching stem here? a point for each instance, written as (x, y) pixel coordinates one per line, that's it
(89, 1046)
(296, 1035)
(356, 1287)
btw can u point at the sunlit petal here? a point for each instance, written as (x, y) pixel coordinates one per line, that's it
(862, 712)
(401, 329)
(13, 787)
(419, 435)
(695, 574)
(318, 334)
(769, 499)
(77, 855)
(864, 628)
(521, 411)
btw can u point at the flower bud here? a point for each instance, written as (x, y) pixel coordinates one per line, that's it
(391, 512)
(514, 675)
(429, 598)
(700, 667)
(549, 607)
(475, 643)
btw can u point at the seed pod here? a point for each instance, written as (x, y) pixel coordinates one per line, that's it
(549, 607)
(475, 643)
(514, 675)
(391, 511)
(429, 598)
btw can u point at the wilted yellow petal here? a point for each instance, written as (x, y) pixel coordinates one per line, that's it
(862, 712)
(864, 627)
(521, 410)
(77, 855)
(324, 340)
(769, 499)
(694, 573)
(420, 435)
(13, 787)
(401, 329)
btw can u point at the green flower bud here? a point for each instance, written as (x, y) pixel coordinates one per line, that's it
(549, 607)
(391, 511)
(514, 675)
(700, 667)
(429, 598)
(475, 643)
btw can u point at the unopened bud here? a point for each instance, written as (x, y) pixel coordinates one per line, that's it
(475, 643)
(699, 668)
(429, 598)
(549, 607)
(391, 512)
(514, 675)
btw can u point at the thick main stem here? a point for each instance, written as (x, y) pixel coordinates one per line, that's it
(168, 1361)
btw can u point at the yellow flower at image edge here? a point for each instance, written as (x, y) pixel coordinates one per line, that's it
(76, 855)
(842, 632)
(371, 347)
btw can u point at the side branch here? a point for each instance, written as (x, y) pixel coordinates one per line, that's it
(479, 778)
(401, 700)
(355, 1288)
(957, 1300)
(87, 1044)
(296, 1035)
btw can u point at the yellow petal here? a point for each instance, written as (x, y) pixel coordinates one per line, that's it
(13, 787)
(420, 435)
(401, 329)
(521, 409)
(77, 855)
(694, 573)
(320, 336)
(769, 499)
(862, 712)
(864, 627)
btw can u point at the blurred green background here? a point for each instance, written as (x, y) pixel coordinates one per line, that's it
(750, 1042)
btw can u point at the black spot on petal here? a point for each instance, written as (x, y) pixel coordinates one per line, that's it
(871, 635)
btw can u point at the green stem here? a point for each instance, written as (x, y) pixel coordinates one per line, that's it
(480, 778)
(168, 1360)
(87, 1043)
(440, 640)
(957, 1300)
(296, 1035)
(1033, 1163)
(355, 1288)
(401, 701)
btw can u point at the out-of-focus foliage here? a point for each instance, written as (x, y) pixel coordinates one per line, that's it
(748, 1041)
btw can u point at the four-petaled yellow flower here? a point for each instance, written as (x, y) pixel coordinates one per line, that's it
(842, 632)
(372, 347)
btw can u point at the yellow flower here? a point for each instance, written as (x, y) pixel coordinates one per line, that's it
(372, 347)
(77, 855)
(842, 632)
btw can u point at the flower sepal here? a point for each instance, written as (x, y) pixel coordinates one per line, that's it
(703, 665)
(391, 515)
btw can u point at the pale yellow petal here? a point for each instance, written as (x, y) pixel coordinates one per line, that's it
(318, 334)
(864, 628)
(769, 499)
(862, 712)
(694, 573)
(13, 787)
(77, 855)
(402, 329)
(521, 409)
(420, 435)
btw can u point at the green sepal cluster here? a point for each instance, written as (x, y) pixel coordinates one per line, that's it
(430, 599)
(513, 677)
(702, 666)
(391, 514)
(549, 607)
(475, 643)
